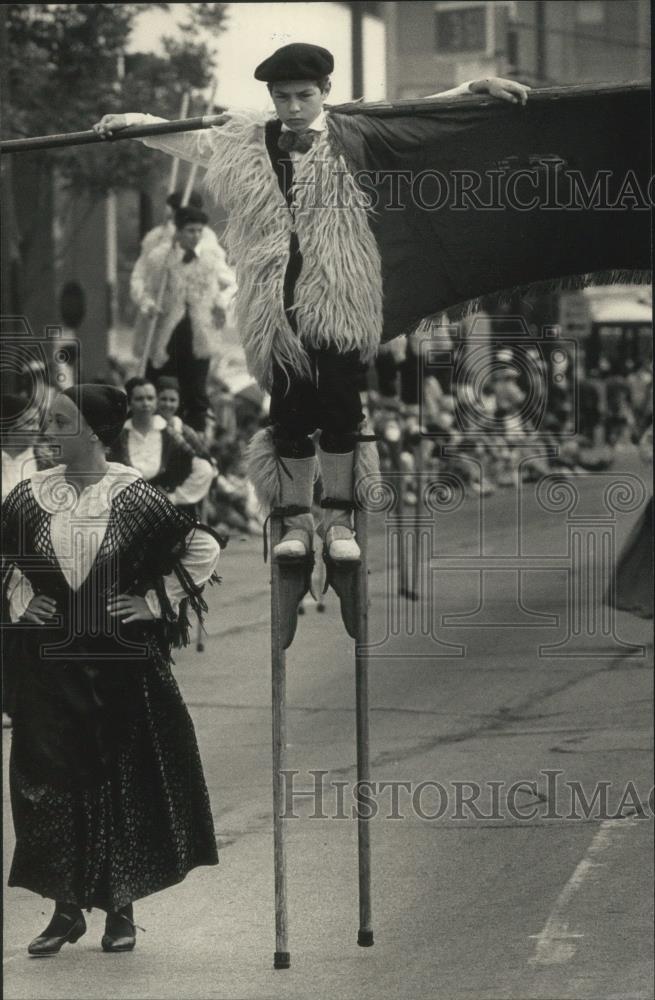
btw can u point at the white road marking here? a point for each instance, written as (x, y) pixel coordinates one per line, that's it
(12, 958)
(555, 943)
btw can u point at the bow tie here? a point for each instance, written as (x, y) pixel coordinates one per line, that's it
(296, 142)
(189, 255)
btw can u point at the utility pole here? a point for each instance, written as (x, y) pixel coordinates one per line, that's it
(357, 35)
(9, 253)
(540, 41)
(111, 230)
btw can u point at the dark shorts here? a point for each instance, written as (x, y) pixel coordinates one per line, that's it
(329, 401)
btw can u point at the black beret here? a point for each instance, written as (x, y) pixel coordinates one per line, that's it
(175, 200)
(296, 62)
(104, 407)
(188, 214)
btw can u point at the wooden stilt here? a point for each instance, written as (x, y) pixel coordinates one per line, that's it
(289, 583)
(200, 642)
(343, 577)
(365, 934)
(408, 542)
(418, 509)
(203, 510)
(282, 957)
(349, 580)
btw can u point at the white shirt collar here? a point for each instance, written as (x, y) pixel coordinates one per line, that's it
(318, 125)
(54, 494)
(158, 424)
(15, 468)
(198, 250)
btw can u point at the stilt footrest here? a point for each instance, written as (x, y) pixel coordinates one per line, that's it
(343, 577)
(294, 581)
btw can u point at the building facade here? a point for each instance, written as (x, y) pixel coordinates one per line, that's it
(434, 45)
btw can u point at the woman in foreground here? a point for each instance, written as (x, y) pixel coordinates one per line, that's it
(108, 795)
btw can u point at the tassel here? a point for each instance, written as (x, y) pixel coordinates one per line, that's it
(263, 468)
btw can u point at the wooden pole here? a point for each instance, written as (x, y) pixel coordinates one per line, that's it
(378, 109)
(418, 509)
(282, 957)
(194, 166)
(357, 49)
(191, 179)
(203, 512)
(175, 167)
(403, 582)
(164, 282)
(111, 259)
(365, 934)
(152, 322)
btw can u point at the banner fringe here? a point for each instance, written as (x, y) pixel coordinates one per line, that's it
(571, 282)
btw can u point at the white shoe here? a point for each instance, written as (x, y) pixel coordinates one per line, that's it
(341, 544)
(294, 545)
(392, 432)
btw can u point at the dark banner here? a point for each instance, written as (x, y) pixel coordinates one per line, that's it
(476, 198)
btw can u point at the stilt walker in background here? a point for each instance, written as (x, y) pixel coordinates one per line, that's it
(197, 291)
(165, 234)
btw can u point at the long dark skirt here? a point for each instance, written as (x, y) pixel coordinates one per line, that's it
(633, 589)
(105, 834)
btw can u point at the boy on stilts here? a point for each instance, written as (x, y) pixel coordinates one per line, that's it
(309, 301)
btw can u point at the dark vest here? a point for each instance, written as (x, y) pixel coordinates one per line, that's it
(283, 166)
(176, 459)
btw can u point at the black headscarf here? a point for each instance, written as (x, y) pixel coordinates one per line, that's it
(104, 407)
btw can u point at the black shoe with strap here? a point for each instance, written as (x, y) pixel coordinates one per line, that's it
(66, 927)
(120, 930)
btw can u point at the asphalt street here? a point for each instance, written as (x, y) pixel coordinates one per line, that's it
(491, 697)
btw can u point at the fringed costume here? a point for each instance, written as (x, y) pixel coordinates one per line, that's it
(308, 308)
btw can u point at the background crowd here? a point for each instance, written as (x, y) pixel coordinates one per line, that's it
(492, 435)
(492, 411)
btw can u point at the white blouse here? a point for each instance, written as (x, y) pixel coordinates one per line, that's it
(15, 468)
(77, 528)
(145, 451)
